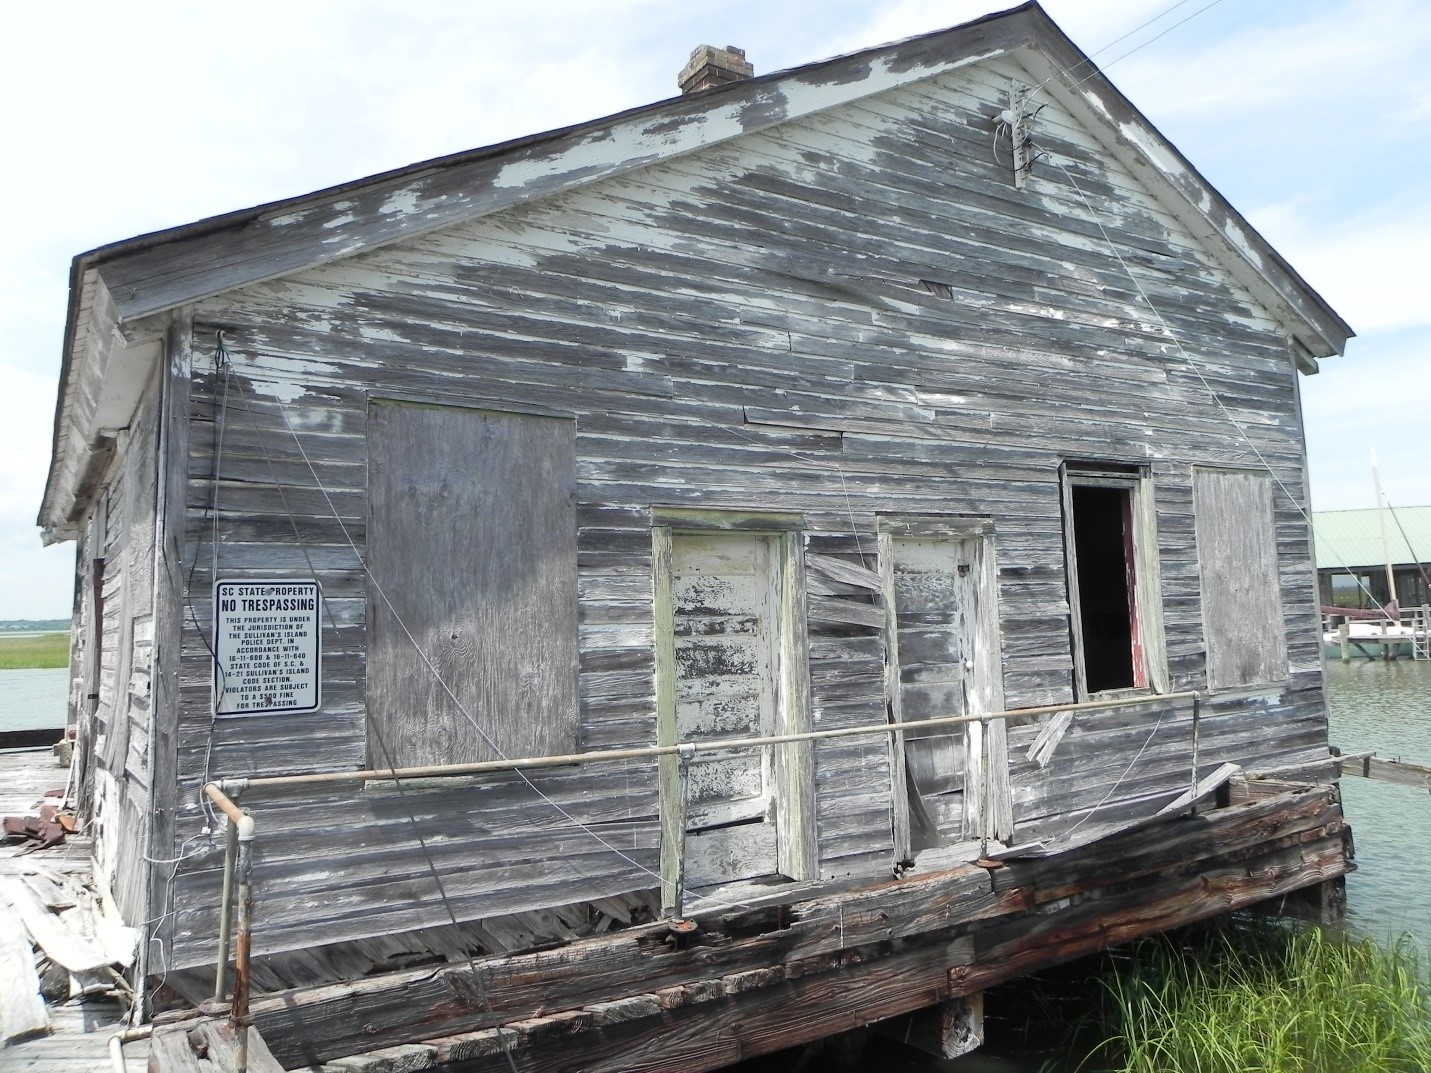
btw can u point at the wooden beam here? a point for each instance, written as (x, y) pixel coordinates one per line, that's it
(1400, 772)
(22, 1010)
(948, 1030)
(1199, 865)
(719, 1021)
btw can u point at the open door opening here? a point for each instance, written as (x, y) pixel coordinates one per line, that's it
(1106, 571)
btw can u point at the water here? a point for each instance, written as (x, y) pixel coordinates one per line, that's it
(1386, 707)
(33, 699)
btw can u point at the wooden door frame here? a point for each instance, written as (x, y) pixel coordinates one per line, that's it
(1146, 591)
(986, 792)
(797, 853)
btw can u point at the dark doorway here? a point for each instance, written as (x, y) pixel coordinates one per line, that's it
(1103, 550)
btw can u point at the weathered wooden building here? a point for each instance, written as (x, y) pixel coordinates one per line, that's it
(928, 381)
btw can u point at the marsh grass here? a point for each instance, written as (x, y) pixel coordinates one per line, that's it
(42, 650)
(1262, 996)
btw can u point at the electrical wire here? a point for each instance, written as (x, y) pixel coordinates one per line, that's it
(708, 902)
(1100, 68)
(1193, 365)
(381, 741)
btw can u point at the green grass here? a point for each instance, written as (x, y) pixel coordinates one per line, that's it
(1261, 996)
(45, 650)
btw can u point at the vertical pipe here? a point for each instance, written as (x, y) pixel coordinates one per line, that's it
(679, 901)
(226, 910)
(238, 1012)
(1197, 742)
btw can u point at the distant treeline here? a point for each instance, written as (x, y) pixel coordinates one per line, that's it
(34, 625)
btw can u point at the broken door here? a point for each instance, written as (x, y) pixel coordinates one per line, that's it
(942, 660)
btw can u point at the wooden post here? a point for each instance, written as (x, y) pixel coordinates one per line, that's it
(1343, 639)
(948, 1030)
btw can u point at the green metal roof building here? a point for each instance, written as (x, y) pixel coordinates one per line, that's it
(1350, 547)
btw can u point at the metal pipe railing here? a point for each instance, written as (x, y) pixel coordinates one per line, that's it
(226, 916)
(480, 767)
(238, 877)
(238, 853)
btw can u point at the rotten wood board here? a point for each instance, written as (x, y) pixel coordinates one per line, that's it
(22, 1009)
(322, 1018)
(61, 943)
(672, 1029)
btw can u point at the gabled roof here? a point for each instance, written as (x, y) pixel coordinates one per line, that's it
(1349, 538)
(118, 290)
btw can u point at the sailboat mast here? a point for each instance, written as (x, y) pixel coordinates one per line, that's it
(1393, 609)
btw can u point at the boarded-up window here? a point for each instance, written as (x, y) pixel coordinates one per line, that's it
(472, 600)
(1241, 588)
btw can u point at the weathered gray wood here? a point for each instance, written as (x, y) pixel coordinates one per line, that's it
(1384, 769)
(49, 932)
(1201, 788)
(810, 385)
(1238, 568)
(1047, 911)
(948, 1030)
(1041, 751)
(22, 1009)
(472, 552)
(795, 797)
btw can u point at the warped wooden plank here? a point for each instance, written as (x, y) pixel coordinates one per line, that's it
(61, 945)
(22, 1009)
(1381, 769)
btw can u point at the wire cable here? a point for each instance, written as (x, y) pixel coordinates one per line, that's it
(556, 806)
(1192, 363)
(381, 742)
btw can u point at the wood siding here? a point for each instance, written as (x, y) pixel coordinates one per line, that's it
(112, 659)
(848, 315)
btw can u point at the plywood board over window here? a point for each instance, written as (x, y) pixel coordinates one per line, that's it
(1241, 587)
(472, 601)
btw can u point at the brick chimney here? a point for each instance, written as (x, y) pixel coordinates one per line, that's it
(710, 66)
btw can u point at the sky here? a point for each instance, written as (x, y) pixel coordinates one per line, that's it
(1313, 118)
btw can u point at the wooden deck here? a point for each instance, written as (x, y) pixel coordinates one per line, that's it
(78, 1041)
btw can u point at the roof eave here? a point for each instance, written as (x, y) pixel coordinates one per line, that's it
(1126, 133)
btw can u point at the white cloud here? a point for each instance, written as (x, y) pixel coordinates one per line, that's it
(1374, 267)
(1283, 60)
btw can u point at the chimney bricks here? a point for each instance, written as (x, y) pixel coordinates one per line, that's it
(709, 67)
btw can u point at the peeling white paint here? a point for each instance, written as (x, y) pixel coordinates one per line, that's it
(400, 202)
(624, 146)
(298, 368)
(284, 392)
(1097, 102)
